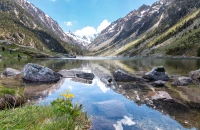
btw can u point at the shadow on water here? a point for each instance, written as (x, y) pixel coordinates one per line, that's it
(121, 105)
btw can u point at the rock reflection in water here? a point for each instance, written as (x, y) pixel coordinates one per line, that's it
(92, 94)
(142, 93)
(37, 92)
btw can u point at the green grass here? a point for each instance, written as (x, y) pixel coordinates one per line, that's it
(6, 53)
(60, 115)
(7, 91)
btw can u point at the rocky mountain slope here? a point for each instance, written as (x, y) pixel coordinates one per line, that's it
(49, 23)
(168, 27)
(20, 24)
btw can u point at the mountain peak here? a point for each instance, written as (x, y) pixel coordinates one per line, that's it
(143, 7)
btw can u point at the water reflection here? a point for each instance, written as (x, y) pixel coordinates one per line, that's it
(119, 105)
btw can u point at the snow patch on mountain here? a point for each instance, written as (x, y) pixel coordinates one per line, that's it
(80, 41)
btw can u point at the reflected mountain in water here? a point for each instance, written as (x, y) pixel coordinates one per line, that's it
(184, 111)
(132, 100)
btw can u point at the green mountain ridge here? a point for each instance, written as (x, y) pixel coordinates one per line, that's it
(168, 28)
(19, 27)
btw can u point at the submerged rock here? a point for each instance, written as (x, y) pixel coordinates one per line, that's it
(182, 81)
(195, 75)
(75, 73)
(38, 73)
(89, 76)
(11, 72)
(157, 73)
(159, 83)
(68, 73)
(122, 76)
(161, 95)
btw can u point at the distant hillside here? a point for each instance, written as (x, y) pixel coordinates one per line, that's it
(20, 26)
(167, 28)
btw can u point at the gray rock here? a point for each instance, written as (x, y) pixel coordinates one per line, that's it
(11, 72)
(122, 76)
(88, 76)
(195, 75)
(182, 81)
(38, 73)
(159, 83)
(157, 73)
(161, 95)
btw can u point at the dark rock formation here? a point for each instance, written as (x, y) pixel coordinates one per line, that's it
(89, 76)
(122, 76)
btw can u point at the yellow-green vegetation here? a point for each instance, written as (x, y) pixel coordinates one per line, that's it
(160, 35)
(164, 36)
(14, 53)
(62, 114)
(173, 29)
(23, 52)
(187, 44)
(4, 91)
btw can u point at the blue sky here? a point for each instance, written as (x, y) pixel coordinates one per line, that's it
(77, 15)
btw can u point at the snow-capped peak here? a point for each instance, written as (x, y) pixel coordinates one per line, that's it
(78, 40)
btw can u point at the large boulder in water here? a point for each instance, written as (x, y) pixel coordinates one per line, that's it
(157, 73)
(38, 73)
(11, 72)
(122, 76)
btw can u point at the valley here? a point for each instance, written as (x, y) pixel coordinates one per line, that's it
(137, 72)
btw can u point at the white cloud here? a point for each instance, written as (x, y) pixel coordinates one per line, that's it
(53, 0)
(90, 32)
(126, 121)
(86, 31)
(103, 25)
(68, 23)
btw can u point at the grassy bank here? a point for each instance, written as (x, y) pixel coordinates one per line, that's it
(61, 114)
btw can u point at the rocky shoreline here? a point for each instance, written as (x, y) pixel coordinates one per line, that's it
(156, 89)
(156, 78)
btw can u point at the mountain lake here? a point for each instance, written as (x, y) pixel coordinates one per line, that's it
(119, 106)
